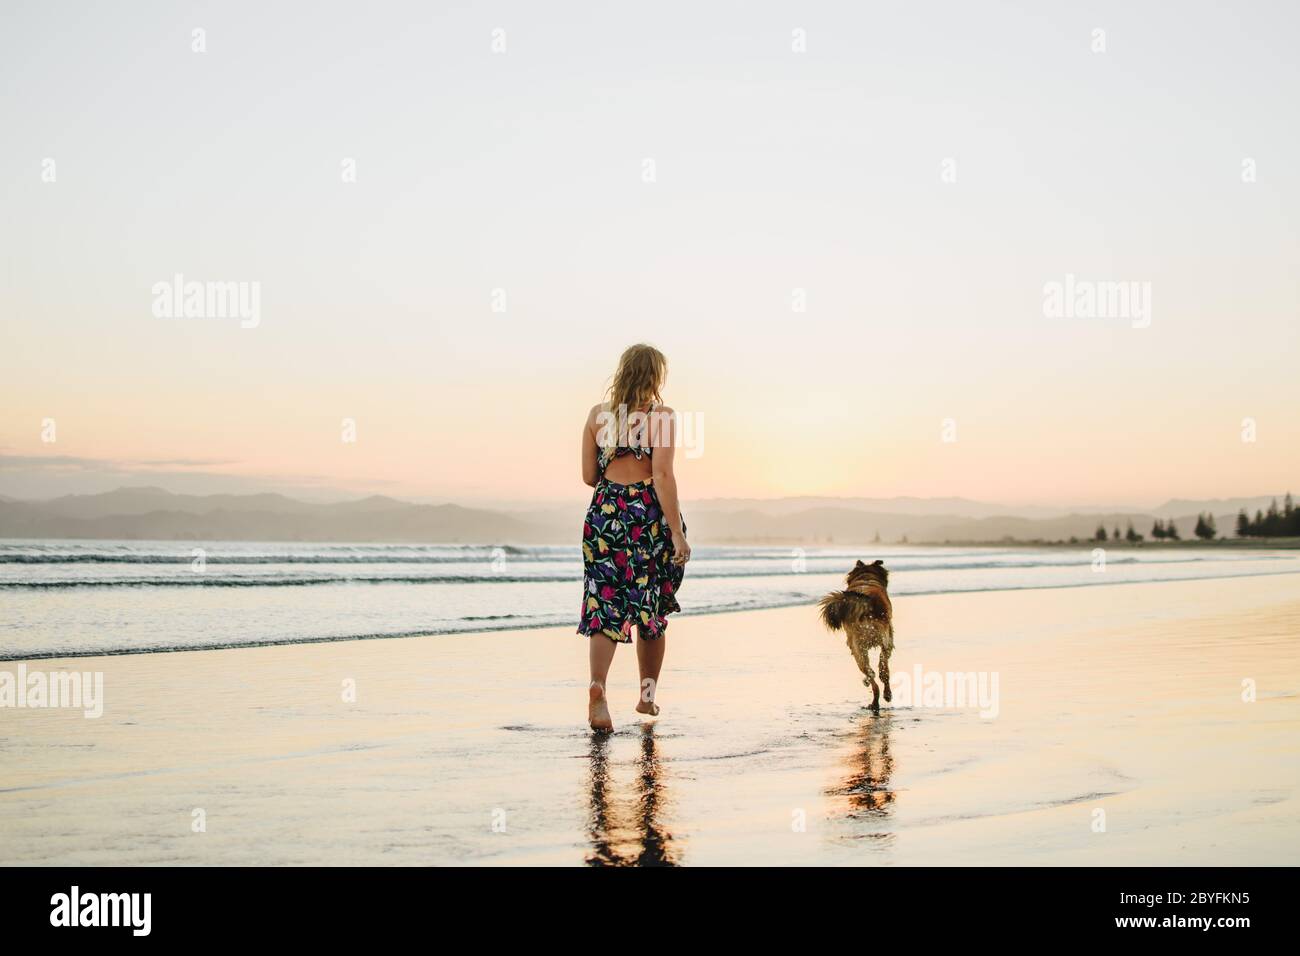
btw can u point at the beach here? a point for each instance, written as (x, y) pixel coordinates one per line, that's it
(1143, 723)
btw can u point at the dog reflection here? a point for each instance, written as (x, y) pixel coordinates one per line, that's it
(629, 830)
(866, 787)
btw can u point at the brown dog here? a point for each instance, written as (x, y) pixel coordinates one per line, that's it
(864, 613)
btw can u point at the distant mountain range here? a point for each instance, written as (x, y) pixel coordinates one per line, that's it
(152, 513)
(966, 508)
(144, 513)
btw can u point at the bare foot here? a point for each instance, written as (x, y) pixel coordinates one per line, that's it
(648, 707)
(597, 709)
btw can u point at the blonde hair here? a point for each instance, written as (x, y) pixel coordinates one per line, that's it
(640, 374)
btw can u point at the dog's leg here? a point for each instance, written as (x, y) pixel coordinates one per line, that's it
(869, 680)
(884, 672)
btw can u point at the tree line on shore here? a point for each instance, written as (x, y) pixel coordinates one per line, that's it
(1283, 522)
(1161, 531)
(1277, 522)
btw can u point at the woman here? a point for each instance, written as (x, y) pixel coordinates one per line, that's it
(634, 541)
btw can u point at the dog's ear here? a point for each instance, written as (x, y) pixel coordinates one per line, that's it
(878, 562)
(859, 565)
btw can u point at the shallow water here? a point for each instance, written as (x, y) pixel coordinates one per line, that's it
(1125, 700)
(99, 597)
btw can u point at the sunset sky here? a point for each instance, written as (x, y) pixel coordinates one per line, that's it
(775, 170)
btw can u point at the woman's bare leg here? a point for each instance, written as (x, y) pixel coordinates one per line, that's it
(650, 660)
(600, 654)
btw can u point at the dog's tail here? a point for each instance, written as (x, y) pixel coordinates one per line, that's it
(837, 609)
(840, 608)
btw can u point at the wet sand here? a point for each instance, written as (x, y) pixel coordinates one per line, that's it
(1121, 737)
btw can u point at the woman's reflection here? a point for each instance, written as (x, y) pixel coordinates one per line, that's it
(629, 830)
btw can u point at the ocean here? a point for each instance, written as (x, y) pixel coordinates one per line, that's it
(69, 598)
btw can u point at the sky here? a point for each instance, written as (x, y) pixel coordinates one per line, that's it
(837, 220)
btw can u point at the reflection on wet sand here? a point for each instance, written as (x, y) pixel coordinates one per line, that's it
(869, 765)
(629, 830)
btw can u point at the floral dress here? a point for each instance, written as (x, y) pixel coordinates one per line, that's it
(629, 578)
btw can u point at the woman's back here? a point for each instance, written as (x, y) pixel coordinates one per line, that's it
(627, 460)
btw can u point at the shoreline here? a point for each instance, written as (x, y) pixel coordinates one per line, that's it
(547, 625)
(475, 751)
(1281, 544)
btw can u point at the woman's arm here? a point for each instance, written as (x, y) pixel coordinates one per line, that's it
(590, 467)
(666, 483)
